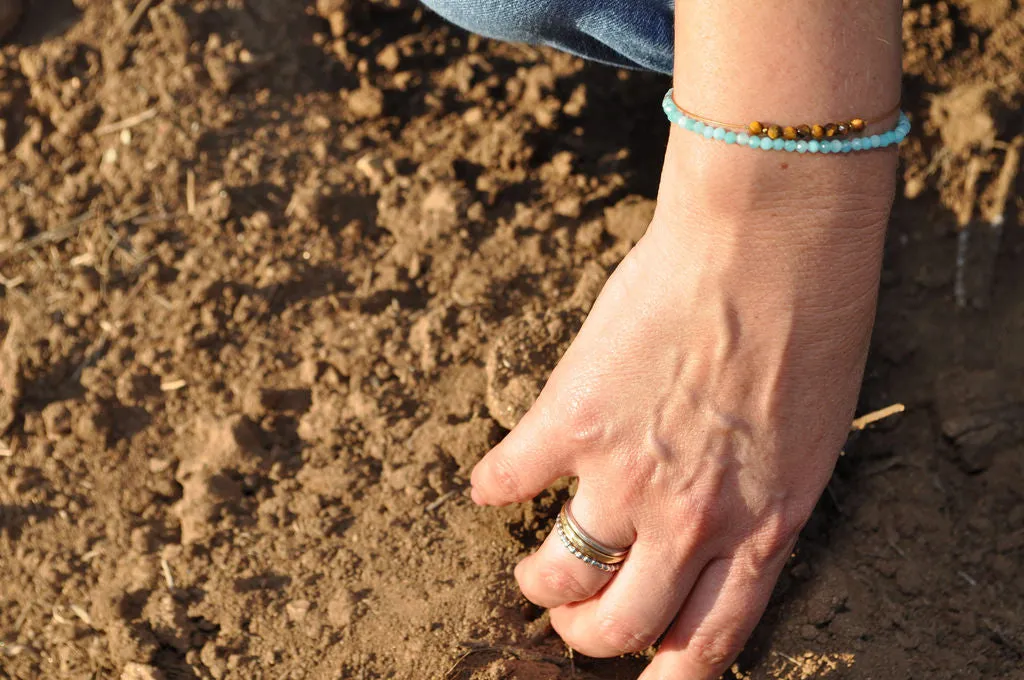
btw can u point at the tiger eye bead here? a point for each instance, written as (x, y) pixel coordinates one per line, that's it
(803, 132)
(842, 128)
(789, 132)
(830, 130)
(756, 128)
(774, 131)
(857, 124)
(817, 131)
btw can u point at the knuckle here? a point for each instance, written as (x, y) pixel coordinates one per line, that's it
(505, 477)
(777, 534)
(714, 649)
(559, 581)
(624, 636)
(581, 418)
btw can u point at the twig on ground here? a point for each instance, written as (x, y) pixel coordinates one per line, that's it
(56, 235)
(136, 16)
(875, 416)
(172, 385)
(168, 576)
(439, 501)
(129, 122)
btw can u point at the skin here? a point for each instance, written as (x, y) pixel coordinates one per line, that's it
(705, 400)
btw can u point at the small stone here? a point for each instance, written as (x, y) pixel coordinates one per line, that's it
(830, 130)
(857, 124)
(774, 131)
(842, 128)
(756, 128)
(803, 132)
(297, 610)
(141, 671)
(789, 132)
(817, 131)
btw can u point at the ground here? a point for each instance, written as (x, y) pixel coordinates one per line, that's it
(275, 274)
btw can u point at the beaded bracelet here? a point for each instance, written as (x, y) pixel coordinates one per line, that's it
(767, 143)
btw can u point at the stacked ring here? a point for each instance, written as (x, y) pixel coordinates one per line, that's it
(585, 547)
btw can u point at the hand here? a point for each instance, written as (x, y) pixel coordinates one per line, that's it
(702, 406)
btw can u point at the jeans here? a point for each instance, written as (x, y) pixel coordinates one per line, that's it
(634, 34)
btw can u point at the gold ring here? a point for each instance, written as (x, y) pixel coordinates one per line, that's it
(585, 547)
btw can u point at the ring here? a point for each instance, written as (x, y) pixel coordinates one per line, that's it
(585, 547)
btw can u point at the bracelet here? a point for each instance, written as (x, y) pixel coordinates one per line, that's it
(779, 142)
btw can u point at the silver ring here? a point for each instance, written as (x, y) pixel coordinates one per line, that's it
(585, 547)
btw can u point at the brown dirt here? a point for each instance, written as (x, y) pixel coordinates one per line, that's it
(276, 273)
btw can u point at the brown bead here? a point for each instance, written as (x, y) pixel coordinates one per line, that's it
(756, 128)
(789, 132)
(803, 132)
(857, 124)
(817, 131)
(842, 128)
(830, 130)
(774, 131)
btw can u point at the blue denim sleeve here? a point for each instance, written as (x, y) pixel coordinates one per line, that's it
(634, 34)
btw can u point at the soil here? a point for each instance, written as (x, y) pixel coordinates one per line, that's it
(275, 274)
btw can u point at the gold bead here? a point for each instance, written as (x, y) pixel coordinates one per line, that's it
(789, 132)
(803, 132)
(858, 124)
(817, 131)
(830, 130)
(774, 131)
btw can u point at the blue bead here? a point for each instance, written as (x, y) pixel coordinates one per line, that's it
(887, 139)
(876, 141)
(790, 145)
(779, 144)
(754, 142)
(766, 143)
(857, 144)
(836, 146)
(688, 123)
(825, 147)
(847, 146)
(708, 131)
(742, 138)
(801, 146)
(813, 146)
(698, 127)
(730, 137)
(719, 134)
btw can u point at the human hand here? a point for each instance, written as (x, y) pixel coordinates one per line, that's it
(702, 407)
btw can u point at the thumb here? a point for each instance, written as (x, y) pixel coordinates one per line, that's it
(527, 461)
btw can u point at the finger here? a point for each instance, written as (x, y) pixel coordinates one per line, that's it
(636, 607)
(527, 461)
(719, 616)
(553, 576)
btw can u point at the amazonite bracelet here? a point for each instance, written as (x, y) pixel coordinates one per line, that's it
(721, 134)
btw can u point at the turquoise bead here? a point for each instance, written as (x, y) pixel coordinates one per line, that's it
(836, 146)
(730, 137)
(742, 138)
(754, 142)
(801, 147)
(719, 134)
(857, 144)
(778, 144)
(876, 141)
(688, 123)
(887, 139)
(825, 147)
(698, 127)
(813, 146)
(790, 145)
(708, 132)
(847, 147)
(766, 143)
